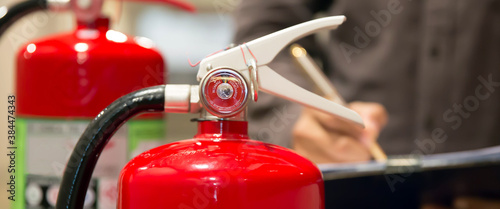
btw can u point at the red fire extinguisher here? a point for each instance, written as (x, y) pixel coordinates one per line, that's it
(63, 81)
(220, 168)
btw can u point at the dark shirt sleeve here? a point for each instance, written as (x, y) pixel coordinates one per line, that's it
(271, 118)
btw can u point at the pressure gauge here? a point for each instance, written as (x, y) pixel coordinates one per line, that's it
(224, 92)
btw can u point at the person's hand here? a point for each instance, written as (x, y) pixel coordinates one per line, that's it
(323, 138)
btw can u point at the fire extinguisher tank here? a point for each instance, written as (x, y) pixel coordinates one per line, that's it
(76, 74)
(220, 168)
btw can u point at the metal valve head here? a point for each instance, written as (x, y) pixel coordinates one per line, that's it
(224, 92)
(249, 61)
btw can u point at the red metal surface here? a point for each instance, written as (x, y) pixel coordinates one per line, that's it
(220, 168)
(77, 74)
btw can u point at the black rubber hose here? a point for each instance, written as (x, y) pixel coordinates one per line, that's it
(19, 10)
(81, 164)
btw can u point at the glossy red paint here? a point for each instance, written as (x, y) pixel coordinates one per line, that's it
(77, 74)
(220, 168)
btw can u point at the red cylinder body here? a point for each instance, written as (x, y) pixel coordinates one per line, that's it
(77, 74)
(220, 168)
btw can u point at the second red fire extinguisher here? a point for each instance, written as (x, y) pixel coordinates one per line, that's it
(62, 82)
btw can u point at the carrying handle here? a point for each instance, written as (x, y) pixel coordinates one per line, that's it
(265, 48)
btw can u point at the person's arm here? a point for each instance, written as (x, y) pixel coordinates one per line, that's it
(317, 136)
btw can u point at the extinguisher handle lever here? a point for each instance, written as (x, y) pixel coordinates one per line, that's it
(273, 83)
(251, 59)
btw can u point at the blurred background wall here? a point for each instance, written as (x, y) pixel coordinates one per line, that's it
(178, 35)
